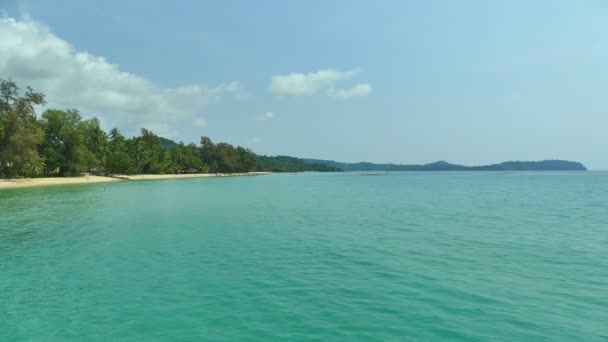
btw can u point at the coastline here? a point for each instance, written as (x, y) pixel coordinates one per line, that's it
(53, 181)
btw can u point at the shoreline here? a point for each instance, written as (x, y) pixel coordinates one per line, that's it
(54, 181)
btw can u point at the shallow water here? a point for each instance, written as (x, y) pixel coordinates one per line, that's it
(409, 256)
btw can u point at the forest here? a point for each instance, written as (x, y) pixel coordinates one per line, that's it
(291, 164)
(62, 143)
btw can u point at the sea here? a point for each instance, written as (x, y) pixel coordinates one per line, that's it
(410, 256)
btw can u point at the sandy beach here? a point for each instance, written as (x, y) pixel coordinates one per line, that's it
(28, 182)
(50, 181)
(190, 175)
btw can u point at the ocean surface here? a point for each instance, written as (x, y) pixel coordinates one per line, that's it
(328, 257)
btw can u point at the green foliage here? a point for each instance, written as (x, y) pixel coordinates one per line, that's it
(20, 132)
(167, 143)
(225, 158)
(63, 149)
(148, 154)
(61, 143)
(117, 160)
(96, 144)
(290, 164)
(71, 145)
(187, 158)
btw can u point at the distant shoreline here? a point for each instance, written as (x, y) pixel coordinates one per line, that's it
(54, 181)
(543, 165)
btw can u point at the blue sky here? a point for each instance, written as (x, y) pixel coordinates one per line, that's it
(471, 82)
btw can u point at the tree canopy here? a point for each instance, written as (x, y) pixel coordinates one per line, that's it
(62, 143)
(20, 132)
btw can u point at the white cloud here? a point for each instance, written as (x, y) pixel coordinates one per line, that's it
(299, 84)
(266, 116)
(199, 123)
(33, 56)
(256, 140)
(361, 89)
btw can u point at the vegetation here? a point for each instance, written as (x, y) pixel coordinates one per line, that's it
(62, 143)
(291, 164)
(545, 165)
(21, 134)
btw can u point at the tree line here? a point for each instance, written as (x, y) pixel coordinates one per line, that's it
(62, 143)
(291, 164)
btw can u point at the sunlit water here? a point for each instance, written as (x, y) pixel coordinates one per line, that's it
(342, 257)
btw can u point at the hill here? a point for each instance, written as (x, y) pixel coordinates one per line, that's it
(293, 164)
(273, 164)
(545, 165)
(167, 143)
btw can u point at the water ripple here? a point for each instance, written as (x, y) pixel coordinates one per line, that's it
(470, 257)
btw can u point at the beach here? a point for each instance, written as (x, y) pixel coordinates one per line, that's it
(52, 181)
(189, 175)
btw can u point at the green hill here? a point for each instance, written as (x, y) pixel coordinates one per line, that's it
(545, 165)
(293, 164)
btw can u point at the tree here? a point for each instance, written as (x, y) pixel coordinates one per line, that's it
(227, 161)
(187, 158)
(20, 132)
(117, 141)
(246, 159)
(96, 144)
(208, 154)
(148, 154)
(117, 160)
(62, 143)
(64, 149)
(225, 158)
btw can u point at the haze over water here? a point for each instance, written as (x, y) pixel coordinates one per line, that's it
(411, 256)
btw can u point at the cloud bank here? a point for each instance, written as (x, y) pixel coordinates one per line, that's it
(300, 84)
(32, 55)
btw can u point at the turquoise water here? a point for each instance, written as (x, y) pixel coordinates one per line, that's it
(328, 257)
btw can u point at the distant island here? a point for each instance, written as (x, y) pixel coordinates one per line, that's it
(545, 165)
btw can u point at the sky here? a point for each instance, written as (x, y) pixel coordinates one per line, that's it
(469, 82)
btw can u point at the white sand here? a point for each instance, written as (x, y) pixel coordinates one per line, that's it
(189, 175)
(28, 182)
